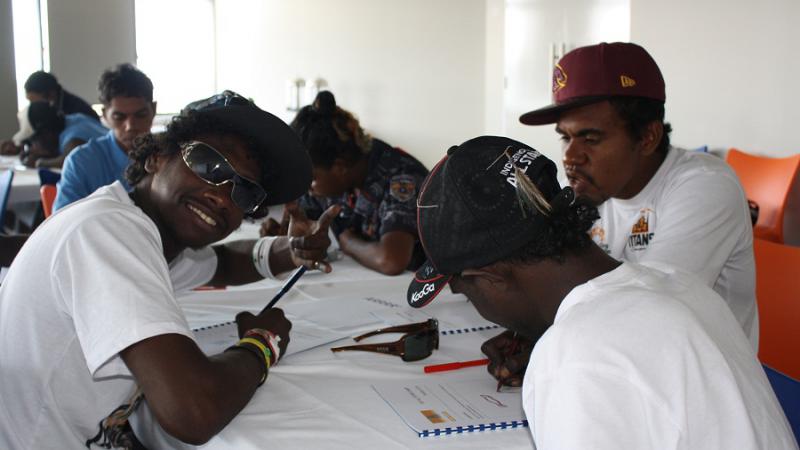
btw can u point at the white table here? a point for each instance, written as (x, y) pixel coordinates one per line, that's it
(320, 400)
(25, 185)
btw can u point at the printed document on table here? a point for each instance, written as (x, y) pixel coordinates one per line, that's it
(305, 335)
(434, 408)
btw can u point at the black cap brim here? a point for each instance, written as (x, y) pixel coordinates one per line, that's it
(426, 285)
(290, 175)
(551, 113)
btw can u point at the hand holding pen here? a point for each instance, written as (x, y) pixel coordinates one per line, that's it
(508, 355)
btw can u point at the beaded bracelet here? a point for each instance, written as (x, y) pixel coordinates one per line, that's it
(269, 338)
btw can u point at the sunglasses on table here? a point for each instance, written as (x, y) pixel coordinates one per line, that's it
(213, 168)
(419, 342)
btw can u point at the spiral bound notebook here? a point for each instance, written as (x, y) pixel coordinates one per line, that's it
(463, 406)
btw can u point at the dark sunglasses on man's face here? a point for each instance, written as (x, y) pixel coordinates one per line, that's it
(420, 340)
(213, 168)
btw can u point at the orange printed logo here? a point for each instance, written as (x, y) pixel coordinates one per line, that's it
(432, 416)
(642, 231)
(402, 187)
(627, 81)
(598, 234)
(641, 225)
(559, 78)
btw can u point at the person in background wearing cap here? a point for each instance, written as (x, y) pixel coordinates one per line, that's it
(628, 356)
(106, 319)
(657, 203)
(128, 108)
(376, 184)
(54, 136)
(44, 87)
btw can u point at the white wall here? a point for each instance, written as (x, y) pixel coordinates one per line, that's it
(86, 37)
(425, 74)
(8, 84)
(731, 68)
(412, 70)
(532, 27)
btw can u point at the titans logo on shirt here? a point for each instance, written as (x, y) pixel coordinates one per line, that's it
(641, 235)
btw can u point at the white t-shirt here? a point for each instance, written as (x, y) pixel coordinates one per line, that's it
(640, 358)
(692, 215)
(91, 281)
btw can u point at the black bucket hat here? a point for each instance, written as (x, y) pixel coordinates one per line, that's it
(290, 175)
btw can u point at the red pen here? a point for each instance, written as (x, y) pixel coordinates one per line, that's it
(455, 365)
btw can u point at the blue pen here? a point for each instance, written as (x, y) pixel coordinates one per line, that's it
(288, 285)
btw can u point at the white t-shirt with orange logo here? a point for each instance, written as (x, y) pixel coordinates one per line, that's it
(693, 215)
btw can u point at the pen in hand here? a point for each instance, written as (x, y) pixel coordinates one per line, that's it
(511, 350)
(285, 288)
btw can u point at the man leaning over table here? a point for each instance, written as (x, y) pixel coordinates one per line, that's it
(76, 344)
(44, 87)
(50, 137)
(657, 203)
(128, 108)
(628, 356)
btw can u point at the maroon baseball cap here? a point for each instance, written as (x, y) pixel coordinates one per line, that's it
(596, 72)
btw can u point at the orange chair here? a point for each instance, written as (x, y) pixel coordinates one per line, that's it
(768, 182)
(48, 193)
(778, 295)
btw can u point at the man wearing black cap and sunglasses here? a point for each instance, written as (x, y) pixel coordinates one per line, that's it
(630, 357)
(106, 320)
(657, 203)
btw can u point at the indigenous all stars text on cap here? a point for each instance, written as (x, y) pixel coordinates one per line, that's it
(522, 159)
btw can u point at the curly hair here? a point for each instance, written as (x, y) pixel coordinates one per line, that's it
(637, 113)
(567, 230)
(124, 80)
(183, 129)
(330, 132)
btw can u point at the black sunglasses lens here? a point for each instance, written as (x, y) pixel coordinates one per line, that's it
(209, 165)
(419, 345)
(247, 195)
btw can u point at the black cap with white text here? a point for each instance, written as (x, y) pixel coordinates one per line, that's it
(469, 213)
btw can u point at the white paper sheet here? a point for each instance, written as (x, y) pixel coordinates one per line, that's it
(434, 408)
(305, 335)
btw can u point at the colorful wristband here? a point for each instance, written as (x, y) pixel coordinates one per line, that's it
(265, 351)
(269, 338)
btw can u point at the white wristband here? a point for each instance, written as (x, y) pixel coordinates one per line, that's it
(274, 340)
(260, 256)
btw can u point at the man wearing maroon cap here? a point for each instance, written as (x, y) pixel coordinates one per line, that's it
(630, 356)
(657, 203)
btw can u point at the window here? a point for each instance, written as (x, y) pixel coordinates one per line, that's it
(31, 51)
(175, 48)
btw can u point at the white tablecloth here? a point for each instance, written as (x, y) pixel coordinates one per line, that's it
(25, 185)
(320, 400)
